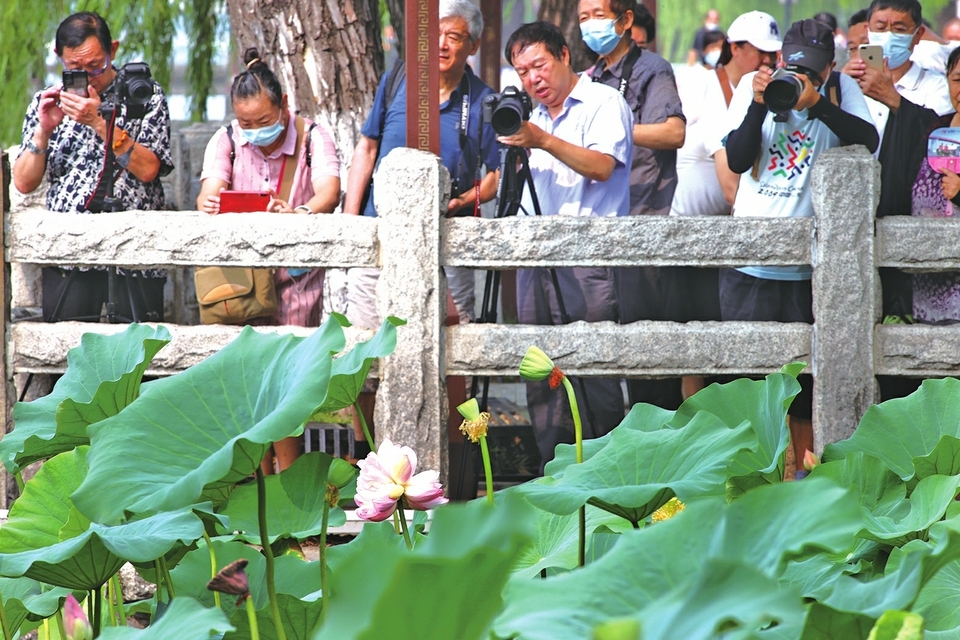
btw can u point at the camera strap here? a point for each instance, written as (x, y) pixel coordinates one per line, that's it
(462, 128)
(626, 70)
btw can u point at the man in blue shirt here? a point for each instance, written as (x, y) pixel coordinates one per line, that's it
(461, 94)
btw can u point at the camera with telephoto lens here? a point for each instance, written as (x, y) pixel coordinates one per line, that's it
(783, 92)
(134, 88)
(507, 110)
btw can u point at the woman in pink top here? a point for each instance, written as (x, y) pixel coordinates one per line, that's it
(254, 153)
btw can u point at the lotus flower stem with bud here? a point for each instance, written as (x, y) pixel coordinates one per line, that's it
(810, 460)
(74, 622)
(268, 554)
(474, 426)
(537, 366)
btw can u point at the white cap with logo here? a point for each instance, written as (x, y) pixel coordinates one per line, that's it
(758, 28)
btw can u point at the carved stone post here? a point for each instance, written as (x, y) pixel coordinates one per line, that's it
(846, 306)
(411, 401)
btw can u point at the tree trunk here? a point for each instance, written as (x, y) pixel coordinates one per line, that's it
(327, 54)
(565, 14)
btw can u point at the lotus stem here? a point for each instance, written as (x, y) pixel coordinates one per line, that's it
(487, 468)
(46, 629)
(396, 523)
(90, 597)
(323, 549)
(252, 619)
(18, 476)
(60, 627)
(111, 609)
(167, 579)
(363, 424)
(118, 589)
(578, 430)
(268, 554)
(213, 565)
(403, 526)
(97, 611)
(3, 621)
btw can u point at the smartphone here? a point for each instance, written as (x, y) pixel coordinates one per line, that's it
(243, 201)
(75, 81)
(872, 55)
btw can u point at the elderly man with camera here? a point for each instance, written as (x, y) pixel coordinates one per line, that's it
(65, 136)
(778, 124)
(580, 150)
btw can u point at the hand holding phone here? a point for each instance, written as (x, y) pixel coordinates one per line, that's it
(76, 81)
(872, 56)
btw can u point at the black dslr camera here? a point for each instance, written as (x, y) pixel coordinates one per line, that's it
(507, 110)
(134, 88)
(783, 92)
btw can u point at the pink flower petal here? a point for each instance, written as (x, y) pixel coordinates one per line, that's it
(424, 491)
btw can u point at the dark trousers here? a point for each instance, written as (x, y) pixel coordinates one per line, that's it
(640, 296)
(588, 294)
(86, 293)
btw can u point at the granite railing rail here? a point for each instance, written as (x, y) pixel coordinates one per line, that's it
(411, 242)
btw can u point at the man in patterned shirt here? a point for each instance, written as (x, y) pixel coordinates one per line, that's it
(64, 140)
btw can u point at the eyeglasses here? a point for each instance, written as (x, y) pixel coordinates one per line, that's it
(93, 73)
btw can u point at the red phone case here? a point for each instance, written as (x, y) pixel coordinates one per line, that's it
(243, 201)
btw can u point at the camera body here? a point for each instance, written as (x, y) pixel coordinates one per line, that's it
(134, 88)
(75, 81)
(507, 110)
(783, 92)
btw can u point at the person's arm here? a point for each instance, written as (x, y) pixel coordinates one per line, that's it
(877, 84)
(668, 135)
(361, 171)
(848, 127)
(209, 199)
(729, 181)
(143, 163)
(29, 167)
(743, 143)
(216, 173)
(591, 164)
(326, 195)
(488, 191)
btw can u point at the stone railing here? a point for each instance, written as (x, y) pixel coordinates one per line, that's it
(846, 347)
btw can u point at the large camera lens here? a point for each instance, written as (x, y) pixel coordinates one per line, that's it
(783, 93)
(139, 89)
(508, 116)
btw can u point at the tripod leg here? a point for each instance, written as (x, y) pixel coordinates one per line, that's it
(55, 316)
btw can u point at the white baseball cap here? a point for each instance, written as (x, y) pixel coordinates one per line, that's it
(758, 28)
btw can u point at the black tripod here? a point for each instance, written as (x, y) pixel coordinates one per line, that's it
(509, 194)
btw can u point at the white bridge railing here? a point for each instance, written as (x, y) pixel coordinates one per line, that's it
(411, 241)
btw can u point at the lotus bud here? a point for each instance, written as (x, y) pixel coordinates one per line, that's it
(810, 460)
(75, 622)
(475, 422)
(537, 366)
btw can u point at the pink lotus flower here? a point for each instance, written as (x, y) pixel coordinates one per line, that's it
(75, 622)
(387, 476)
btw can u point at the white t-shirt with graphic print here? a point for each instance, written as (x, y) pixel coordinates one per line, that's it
(779, 187)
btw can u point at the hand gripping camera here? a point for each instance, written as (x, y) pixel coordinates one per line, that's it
(783, 92)
(507, 110)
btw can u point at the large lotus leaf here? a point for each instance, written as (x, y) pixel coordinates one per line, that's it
(763, 529)
(299, 515)
(448, 586)
(103, 376)
(764, 404)
(939, 604)
(893, 517)
(44, 538)
(199, 432)
(727, 596)
(558, 538)
(186, 619)
(299, 618)
(350, 369)
(898, 431)
(23, 597)
(640, 471)
(823, 623)
(642, 417)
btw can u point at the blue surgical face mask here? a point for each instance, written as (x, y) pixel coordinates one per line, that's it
(896, 46)
(263, 136)
(600, 35)
(712, 58)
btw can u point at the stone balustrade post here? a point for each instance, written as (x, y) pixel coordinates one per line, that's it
(411, 404)
(846, 300)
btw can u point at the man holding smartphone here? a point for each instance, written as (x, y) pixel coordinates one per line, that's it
(64, 141)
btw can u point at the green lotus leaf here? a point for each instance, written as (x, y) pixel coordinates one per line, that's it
(294, 502)
(764, 529)
(24, 597)
(902, 430)
(640, 471)
(186, 619)
(296, 580)
(42, 538)
(380, 590)
(898, 625)
(823, 623)
(198, 433)
(939, 604)
(103, 376)
(557, 540)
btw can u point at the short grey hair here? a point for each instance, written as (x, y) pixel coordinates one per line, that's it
(466, 10)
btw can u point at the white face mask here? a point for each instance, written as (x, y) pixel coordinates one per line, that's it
(711, 26)
(896, 46)
(712, 58)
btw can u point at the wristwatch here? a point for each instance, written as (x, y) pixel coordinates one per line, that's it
(32, 147)
(302, 208)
